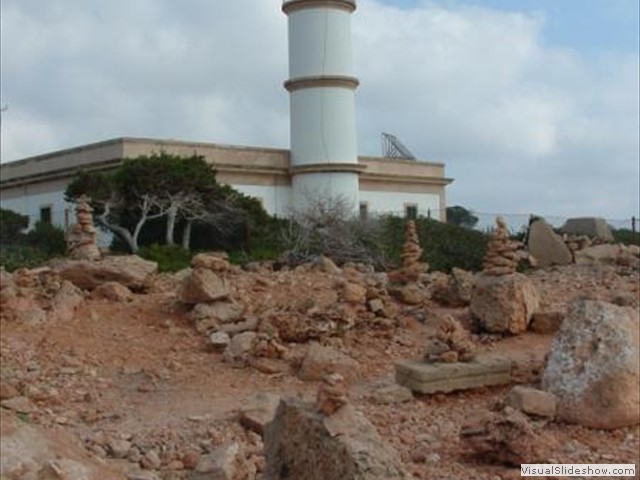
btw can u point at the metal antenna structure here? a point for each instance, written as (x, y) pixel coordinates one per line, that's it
(393, 148)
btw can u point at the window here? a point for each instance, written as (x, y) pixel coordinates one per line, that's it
(364, 210)
(45, 214)
(411, 211)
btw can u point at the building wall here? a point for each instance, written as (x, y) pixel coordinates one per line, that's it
(275, 199)
(386, 185)
(28, 199)
(396, 202)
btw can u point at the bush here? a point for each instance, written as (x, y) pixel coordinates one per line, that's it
(48, 238)
(444, 245)
(170, 258)
(11, 226)
(626, 236)
(13, 257)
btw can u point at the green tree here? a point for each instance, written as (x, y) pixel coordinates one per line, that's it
(12, 225)
(181, 191)
(461, 217)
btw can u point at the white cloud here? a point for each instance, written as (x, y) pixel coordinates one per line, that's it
(521, 125)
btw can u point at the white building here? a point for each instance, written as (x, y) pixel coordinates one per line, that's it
(323, 161)
(34, 186)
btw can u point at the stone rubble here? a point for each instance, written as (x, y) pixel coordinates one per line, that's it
(177, 396)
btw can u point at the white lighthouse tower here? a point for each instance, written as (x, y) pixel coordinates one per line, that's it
(324, 156)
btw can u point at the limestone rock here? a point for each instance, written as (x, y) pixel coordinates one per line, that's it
(225, 311)
(239, 348)
(354, 293)
(112, 291)
(607, 255)
(211, 261)
(504, 304)
(224, 463)
(128, 270)
(29, 453)
(325, 264)
(303, 444)
(392, 394)
(202, 286)
(532, 401)
(547, 321)
(65, 302)
(546, 246)
(452, 290)
(483, 370)
(594, 366)
(38, 295)
(219, 340)
(592, 227)
(501, 257)
(321, 361)
(504, 437)
(258, 410)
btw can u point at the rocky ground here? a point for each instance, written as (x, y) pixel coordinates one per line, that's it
(140, 389)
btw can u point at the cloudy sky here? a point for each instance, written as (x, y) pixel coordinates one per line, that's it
(533, 105)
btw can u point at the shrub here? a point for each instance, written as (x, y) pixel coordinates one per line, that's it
(48, 238)
(444, 245)
(11, 226)
(626, 236)
(170, 258)
(13, 257)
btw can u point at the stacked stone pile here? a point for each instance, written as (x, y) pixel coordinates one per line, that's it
(502, 300)
(332, 394)
(207, 288)
(404, 281)
(411, 252)
(82, 236)
(450, 343)
(501, 257)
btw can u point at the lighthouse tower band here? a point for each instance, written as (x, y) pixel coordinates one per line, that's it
(322, 85)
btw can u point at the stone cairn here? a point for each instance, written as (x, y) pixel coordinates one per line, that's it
(81, 237)
(411, 252)
(502, 256)
(332, 394)
(449, 343)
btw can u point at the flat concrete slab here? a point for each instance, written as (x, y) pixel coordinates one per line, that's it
(423, 377)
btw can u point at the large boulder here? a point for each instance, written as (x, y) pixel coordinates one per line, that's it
(128, 270)
(301, 443)
(504, 304)
(29, 453)
(592, 227)
(202, 286)
(546, 246)
(594, 366)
